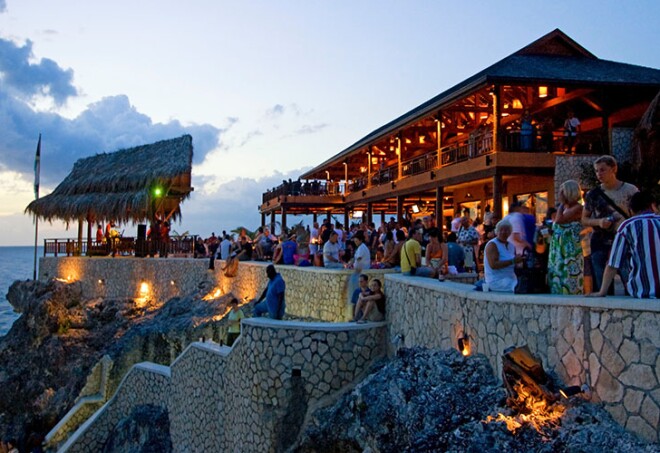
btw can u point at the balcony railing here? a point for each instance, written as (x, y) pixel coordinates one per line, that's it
(475, 144)
(123, 246)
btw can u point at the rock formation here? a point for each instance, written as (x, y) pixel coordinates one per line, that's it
(47, 356)
(430, 400)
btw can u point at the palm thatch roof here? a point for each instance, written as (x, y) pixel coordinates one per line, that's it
(123, 185)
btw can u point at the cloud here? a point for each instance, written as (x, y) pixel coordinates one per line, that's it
(105, 126)
(310, 129)
(3, 6)
(28, 79)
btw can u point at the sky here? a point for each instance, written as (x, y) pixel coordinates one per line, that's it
(267, 89)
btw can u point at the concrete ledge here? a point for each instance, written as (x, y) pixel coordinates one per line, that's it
(467, 291)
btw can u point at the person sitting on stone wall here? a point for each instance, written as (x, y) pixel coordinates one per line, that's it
(361, 290)
(499, 265)
(331, 252)
(272, 300)
(371, 307)
(411, 257)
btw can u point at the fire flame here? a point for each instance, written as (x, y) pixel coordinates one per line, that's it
(535, 412)
(213, 294)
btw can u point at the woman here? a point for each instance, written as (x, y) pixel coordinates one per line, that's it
(437, 253)
(388, 250)
(371, 307)
(565, 261)
(501, 258)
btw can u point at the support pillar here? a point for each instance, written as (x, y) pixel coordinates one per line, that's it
(370, 211)
(369, 167)
(89, 234)
(399, 208)
(329, 216)
(263, 219)
(283, 219)
(346, 218)
(438, 124)
(314, 217)
(382, 217)
(399, 148)
(497, 196)
(272, 222)
(439, 206)
(80, 237)
(496, 118)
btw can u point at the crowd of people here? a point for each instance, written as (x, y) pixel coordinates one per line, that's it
(578, 249)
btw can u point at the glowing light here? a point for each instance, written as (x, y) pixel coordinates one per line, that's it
(543, 92)
(158, 191)
(464, 345)
(172, 282)
(213, 294)
(100, 281)
(144, 289)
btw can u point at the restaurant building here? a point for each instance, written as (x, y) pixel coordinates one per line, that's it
(492, 139)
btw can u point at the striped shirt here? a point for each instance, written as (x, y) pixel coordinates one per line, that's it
(638, 240)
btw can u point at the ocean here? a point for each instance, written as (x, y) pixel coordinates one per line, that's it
(16, 263)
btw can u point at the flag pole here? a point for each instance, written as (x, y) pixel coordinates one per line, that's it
(37, 170)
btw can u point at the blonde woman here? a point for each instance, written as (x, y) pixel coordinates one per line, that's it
(565, 262)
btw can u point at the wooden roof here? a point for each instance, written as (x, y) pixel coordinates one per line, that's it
(123, 185)
(552, 59)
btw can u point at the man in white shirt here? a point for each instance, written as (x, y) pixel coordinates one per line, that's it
(517, 237)
(331, 253)
(362, 257)
(225, 247)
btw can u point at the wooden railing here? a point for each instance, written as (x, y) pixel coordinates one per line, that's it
(122, 246)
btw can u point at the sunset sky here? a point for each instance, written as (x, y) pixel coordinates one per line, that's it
(266, 89)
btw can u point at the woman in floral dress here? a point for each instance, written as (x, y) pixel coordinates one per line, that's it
(565, 262)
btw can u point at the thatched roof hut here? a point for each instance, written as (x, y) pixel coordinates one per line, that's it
(127, 185)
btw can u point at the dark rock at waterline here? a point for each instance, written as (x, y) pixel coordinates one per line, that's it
(48, 353)
(438, 401)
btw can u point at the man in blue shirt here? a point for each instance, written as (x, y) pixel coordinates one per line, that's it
(272, 299)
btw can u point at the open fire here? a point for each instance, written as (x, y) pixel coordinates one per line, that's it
(531, 394)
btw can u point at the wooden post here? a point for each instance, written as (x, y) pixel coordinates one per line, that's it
(80, 237)
(369, 167)
(382, 217)
(263, 219)
(346, 218)
(497, 196)
(399, 208)
(283, 219)
(439, 207)
(399, 149)
(272, 222)
(89, 235)
(438, 123)
(315, 217)
(496, 118)
(370, 211)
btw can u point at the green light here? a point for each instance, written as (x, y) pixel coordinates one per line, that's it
(158, 192)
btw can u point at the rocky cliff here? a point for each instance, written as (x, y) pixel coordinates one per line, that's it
(50, 351)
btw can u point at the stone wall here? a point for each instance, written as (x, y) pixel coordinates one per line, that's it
(311, 292)
(570, 167)
(622, 143)
(252, 397)
(611, 344)
(122, 277)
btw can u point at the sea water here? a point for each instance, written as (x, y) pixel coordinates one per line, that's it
(16, 263)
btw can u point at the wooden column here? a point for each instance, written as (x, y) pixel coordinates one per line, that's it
(497, 196)
(345, 178)
(399, 148)
(89, 234)
(80, 236)
(496, 117)
(439, 205)
(283, 219)
(399, 208)
(315, 217)
(370, 211)
(346, 218)
(329, 215)
(438, 123)
(369, 167)
(382, 217)
(272, 222)
(263, 219)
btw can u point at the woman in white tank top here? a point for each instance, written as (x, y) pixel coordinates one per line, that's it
(500, 260)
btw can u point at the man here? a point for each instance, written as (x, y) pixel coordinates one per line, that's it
(363, 288)
(331, 251)
(605, 207)
(272, 299)
(362, 257)
(638, 241)
(571, 130)
(518, 237)
(225, 246)
(245, 253)
(411, 256)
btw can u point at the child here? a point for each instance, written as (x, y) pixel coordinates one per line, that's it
(235, 316)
